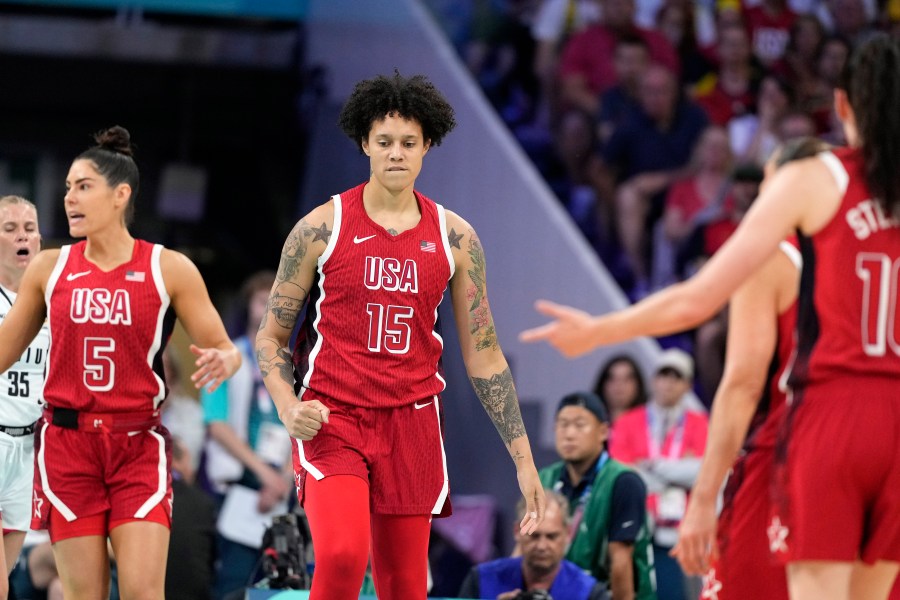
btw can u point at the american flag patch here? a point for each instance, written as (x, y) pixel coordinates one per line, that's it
(137, 275)
(427, 246)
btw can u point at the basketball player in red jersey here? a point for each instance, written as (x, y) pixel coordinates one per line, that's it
(372, 265)
(733, 554)
(102, 457)
(837, 528)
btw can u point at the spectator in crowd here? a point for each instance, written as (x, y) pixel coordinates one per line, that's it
(664, 441)
(610, 535)
(818, 98)
(182, 414)
(541, 565)
(35, 576)
(754, 136)
(849, 19)
(706, 189)
(630, 59)
(798, 65)
(795, 124)
(248, 453)
(620, 385)
(554, 22)
(646, 154)
(730, 91)
(586, 67)
(675, 19)
(192, 547)
(769, 24)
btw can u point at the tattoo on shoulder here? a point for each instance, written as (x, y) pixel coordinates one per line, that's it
(480, 318)
(453, 238)
(294, 250)
(498, 396)
(321, 233)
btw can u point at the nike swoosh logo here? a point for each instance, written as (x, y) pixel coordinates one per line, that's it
(627, 524)
(418, 406)
(360, 240)
(74, 276)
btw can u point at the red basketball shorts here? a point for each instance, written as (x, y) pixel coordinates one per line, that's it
(746, 569)
(840, 486)
(398, 451)
(81, 474)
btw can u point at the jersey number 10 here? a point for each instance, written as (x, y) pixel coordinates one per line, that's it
(879, 302)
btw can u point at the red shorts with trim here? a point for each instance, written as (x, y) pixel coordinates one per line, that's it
(398, 451)
(746, 569)
(80, 474)
(840, 485)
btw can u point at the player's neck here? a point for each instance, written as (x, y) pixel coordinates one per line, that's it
(379, 199)
(109, 250)
(11, 278)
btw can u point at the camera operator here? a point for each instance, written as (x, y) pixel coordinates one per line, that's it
(540, 573)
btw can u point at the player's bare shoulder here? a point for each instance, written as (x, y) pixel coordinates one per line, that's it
(461, 238)
(178, 271)
(39, 270)
(307, 240)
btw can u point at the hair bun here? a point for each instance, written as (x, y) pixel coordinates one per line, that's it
(115, 139)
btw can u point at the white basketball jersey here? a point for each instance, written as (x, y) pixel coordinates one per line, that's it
(22, 386)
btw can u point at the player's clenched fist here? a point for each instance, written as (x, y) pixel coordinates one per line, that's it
(303, 420)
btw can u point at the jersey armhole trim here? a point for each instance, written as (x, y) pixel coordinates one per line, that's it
(837, 170)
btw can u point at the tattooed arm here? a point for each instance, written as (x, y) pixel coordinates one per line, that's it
(296, 273)
(485, 363)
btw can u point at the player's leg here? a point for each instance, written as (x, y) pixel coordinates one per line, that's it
(819, 580)
(873, 581)
(83, 565)
(400, 556)
(141, 548)
(12, 546)
(338, 511)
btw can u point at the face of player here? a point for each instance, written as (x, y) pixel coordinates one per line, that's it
(543, 550)
(395, 148)
(579, 434)
(20, 239)
(91, 203)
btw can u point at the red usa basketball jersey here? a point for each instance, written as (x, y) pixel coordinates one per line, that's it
(107, 332)
(847, 321)
(370, 336)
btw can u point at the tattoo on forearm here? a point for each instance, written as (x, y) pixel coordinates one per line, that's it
(480, 319)
(498, 396)
(284, 304)
(281, 361)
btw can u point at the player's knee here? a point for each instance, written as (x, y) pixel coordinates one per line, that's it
(343, 558)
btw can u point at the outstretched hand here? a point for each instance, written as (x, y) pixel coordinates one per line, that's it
(535, 502)
(569, 333)
(211, 368)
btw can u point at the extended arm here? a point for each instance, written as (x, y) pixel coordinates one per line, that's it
(217, 356)
(24, 319)
(485, 363)
(752, 337)
(296, 273)
(801, 194)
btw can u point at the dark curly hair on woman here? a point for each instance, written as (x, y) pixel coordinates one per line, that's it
(413, 98)
(112, 157)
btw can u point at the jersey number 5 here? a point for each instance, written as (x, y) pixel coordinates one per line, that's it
(388, 328)
(99, 368)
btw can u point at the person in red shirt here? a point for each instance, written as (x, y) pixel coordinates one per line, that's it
(769, 24)
(102, 457)
(839, 535)
(362, 395)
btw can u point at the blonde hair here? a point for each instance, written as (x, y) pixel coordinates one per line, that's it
(17, 200)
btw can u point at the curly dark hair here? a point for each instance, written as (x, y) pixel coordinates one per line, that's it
(413, 98)
(871, 79)
(113, 157)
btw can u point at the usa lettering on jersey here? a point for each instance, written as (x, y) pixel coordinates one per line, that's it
(101, 306)
(390, 275)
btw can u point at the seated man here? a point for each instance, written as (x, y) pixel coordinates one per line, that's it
(540, 567)
(607, 501)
